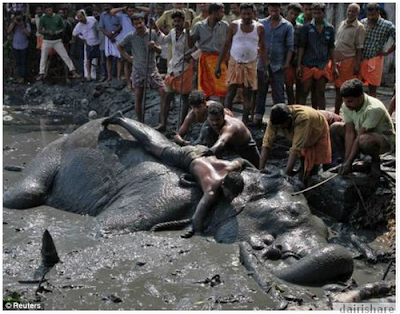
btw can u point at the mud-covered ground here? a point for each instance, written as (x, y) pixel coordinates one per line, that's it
(142, 270)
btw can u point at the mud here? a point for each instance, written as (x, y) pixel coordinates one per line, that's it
(143, 270)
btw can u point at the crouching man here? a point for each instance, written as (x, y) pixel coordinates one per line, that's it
(367, 128)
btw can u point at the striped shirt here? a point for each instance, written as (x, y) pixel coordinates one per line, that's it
(377, 37)
(316, 45)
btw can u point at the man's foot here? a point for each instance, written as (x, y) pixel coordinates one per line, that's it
(188, 234)
(103, 79)
(87, 79)
(75, 74)
(40, 77)
(160, 128)
(112, 119)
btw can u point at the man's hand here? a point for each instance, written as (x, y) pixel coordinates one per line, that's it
(186, 26)
(218, 71)
(345, 168)
(383, 53)
(299, 72)
(152, 44)
(284, 67)
(335, 70)
(208, 152)
(356, 69)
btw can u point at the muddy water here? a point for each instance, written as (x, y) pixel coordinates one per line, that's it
(136, 271)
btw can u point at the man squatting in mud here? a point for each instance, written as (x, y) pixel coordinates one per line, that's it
(215, 176)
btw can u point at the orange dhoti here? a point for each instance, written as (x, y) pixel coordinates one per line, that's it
(371, 70)
(243, 74)
(346, 71)
(174, 83)
(208, 82)
(316, 73)
(320, 153)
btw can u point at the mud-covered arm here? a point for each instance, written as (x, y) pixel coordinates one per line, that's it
(178, 138)
(203, 209)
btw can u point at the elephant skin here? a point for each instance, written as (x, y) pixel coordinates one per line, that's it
(107, 174)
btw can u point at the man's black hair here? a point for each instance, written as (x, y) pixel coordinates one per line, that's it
(137, 16)
(178, 14)
(215, 109)
(352, 88)
(131, 6)
(215, 7)
(373, 7)
(294, 6)
(48, 5)
(279, 114)
(273, 4)
(245, 6)
(318, 6)
(234, 183)
(196, 98)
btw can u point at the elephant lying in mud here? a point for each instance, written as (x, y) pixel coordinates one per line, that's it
(107, 174)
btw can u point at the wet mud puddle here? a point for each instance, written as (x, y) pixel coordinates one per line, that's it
(136, 271)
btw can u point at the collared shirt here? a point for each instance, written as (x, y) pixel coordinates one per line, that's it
(297, 30)
(278, 41)
(88, 31)
(210, 40)
(179, 47)
(317, 45)
(349, 38)
(20, 40)
(139, 44)
(306, 129)
(109, 22)
(198, 18)
(51, 23)
(373, 116)
(127, 26)
(377, 37)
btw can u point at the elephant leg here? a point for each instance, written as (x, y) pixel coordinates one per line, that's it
(321, 265)
(32, 190)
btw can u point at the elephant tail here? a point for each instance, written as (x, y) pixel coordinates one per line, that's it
(321, 265)
(171, 225)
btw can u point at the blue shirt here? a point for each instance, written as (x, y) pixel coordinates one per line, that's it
(108, 22)
(20, 40)
(278, 41)
(316, 45)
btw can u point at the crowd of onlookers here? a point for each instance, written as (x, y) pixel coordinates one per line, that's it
(219, 52)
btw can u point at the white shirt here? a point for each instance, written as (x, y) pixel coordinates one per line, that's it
(88, 31)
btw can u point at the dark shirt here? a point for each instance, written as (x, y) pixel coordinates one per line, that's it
(51, 23)
(316, 45)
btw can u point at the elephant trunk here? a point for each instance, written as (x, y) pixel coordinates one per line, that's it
(321, 265)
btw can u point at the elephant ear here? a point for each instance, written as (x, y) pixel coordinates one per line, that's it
(322, 265)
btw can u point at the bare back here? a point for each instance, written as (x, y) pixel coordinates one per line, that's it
(236, 131)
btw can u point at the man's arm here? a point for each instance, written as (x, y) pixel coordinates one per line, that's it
(203, 209)
(261, 45)
(263, 157)
(302, 47)
(357, 66)
(178, 138)
(223, 139)
(289, 47)
(351, 148)
(227, 47)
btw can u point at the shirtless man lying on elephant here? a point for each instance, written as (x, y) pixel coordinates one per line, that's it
(215, 176)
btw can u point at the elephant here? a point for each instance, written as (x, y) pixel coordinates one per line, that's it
(106, 173)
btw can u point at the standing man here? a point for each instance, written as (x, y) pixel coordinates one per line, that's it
(51, 27)
(367, 128)
(349, 44)
(293, 12)
(110, 26)
(87, 30)
(378, 32)
(279, 43)
(20, 42)
(245, 39)
(142, 49)
(316, 48)
(210, 35)
(306, 16)
(180, 60)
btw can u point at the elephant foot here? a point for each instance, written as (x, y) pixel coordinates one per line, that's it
(112, 119)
